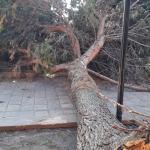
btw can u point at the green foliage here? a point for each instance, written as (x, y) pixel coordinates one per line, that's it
(44, 52)
(20, 26)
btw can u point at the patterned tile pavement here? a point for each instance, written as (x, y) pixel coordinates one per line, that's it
(42, 101)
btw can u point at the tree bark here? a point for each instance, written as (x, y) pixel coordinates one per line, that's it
(95, 122)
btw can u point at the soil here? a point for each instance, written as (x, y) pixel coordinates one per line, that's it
(47, 139)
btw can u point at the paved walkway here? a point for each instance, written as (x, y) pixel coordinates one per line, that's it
(48, 101)
(138, 101)
(38, 102)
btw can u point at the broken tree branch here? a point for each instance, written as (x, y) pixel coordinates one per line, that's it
(134, 3)
(59, 68)
(54, 69)
(97, 45)
(37, 61)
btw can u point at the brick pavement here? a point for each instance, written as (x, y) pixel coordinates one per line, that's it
(43, 101)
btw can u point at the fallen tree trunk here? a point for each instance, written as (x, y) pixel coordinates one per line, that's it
(95, 122)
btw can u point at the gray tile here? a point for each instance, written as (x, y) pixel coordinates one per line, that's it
(27, 100)
(40, 101)
(67, 106)
(11, 114)
(15, 100)
(27, 114)
(39, 114)
(69, 111)
(27, 107)
(56, 112)
(5, 97)
(54, 106)
(40, 107)
(40, 94)
(3, 107)
(13, 108)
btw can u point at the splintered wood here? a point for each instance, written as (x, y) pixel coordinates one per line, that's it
(136, 145)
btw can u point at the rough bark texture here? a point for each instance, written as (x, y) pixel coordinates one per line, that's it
(95, 122)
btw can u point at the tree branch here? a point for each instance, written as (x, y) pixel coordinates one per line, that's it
(54, 69)
(68, 30)
(134, 3)
(139, 43)
(36, 61)
(97, 45)
(58, 68)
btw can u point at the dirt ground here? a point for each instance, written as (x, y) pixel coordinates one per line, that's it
(47, 139)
